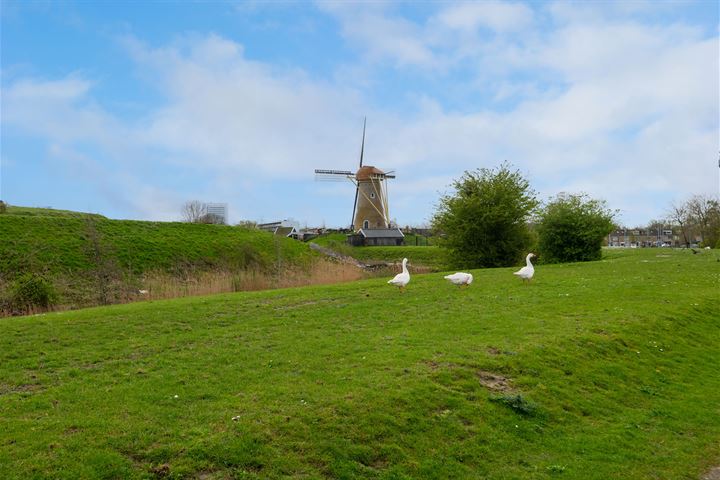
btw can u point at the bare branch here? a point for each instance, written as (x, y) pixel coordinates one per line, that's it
(194, 211)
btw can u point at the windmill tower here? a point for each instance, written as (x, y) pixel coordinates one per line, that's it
(370, 210)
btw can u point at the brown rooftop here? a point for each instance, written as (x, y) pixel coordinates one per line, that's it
(368, 171)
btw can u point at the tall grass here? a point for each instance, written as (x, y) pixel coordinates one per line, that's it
(160, 285)
(91, 260)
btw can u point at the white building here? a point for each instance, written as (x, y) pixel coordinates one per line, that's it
(219, 211)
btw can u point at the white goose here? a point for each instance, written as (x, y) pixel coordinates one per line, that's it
(401, 279)
(460, 278)
(526, 272)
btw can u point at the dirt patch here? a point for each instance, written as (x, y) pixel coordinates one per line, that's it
(495, 351)
(494, 382)
(299, 305)
(713, 474)
(28, 387)
(160, 471)
(432, 364)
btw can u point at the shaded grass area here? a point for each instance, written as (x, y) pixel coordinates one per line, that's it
(608, 370)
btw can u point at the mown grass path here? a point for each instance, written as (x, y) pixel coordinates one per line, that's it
(616, 361)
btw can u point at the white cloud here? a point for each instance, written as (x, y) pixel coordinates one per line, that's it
(631, 115)
(601, 12)
(498, 16)
(382, 37)
(69, 89)
(227, 112)
(60, 110)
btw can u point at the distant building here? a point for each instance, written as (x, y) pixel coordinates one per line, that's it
(377, 237)
(286, 228)
(644, 237)
(219, 212)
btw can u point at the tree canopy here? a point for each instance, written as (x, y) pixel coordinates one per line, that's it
(483, 223)
(571, 228)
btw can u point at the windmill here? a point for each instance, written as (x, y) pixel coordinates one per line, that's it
(370, 210)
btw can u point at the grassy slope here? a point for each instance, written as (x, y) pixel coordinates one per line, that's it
(433, 257)
(64, 244)
(360, 381)
(48, 212)
(428, 256)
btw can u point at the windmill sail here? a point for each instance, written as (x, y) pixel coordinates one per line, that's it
(357, 186)
(357, 192)
(362, 145)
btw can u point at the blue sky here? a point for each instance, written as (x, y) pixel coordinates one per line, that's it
(130, 109)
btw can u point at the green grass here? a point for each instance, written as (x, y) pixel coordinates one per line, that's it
(48, 212)
(65, 244)
(427, 256)
(433, 257)
(610, 371)
(331, 239)
(75, 252)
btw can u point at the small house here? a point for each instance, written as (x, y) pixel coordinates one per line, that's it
(286, 228)
(377, 237)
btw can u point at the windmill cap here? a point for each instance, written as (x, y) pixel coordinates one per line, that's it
(366, 172)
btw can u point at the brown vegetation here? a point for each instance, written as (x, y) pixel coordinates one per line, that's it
(111, 288)
(162, 285)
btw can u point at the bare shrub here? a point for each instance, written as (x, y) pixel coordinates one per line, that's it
(194, 211)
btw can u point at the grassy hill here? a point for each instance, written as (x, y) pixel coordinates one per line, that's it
(594, 371)
(84, 255)
(428, 256)
(47, 212)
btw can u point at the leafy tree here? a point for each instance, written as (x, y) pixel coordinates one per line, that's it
(571, 228)
(484, 221)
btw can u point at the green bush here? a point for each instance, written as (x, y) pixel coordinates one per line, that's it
(31, 291)
(571, 228)
(484, 223)
(3, 207)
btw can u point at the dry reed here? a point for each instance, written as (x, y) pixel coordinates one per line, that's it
(163, 285)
